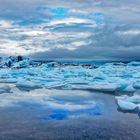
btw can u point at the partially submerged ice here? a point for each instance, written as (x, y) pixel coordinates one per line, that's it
(129, 103)
(126, 105)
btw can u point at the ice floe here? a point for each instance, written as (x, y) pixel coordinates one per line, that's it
(27, 85)
(136, 84)
(110, 77)
(126, 105)
(114, 78)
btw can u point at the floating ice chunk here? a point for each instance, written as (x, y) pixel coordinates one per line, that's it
(4, 89)
(27, 85)
(22, 64)
(136, 75)
(134, 63)
(126, 105)
(50, 65)
(108, 87)
(102, 87)
(121, 86)
(134, 99)
(8, 62)
(129, 89)
(136, 85)
(55, 85)
(77, 81)
(123, 97)
(8, 80)
(15, 90)
(100, 75)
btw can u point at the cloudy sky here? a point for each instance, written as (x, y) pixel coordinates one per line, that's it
(82, 29)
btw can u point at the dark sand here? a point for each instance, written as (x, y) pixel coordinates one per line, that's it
(34, 122)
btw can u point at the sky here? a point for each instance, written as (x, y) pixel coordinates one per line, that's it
(70, 29)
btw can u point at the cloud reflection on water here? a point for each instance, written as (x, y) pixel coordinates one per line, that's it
(60, 104)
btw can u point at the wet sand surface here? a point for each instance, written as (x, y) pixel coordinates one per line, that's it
(31, 121)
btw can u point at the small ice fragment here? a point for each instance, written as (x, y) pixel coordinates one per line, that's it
(126, 105)
(134, 63)
(27, 85)
(99, 75)
(134, 99)
(136, 85)
(22, 64)
(4, 89)
(129, 89)
(8, 80)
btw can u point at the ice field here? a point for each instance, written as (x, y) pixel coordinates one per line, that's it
(26, 80)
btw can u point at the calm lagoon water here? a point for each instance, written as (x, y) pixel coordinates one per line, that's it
(67, 114)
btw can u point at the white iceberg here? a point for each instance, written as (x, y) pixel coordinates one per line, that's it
(4, 89)
(22, 64)
(100, 75)
(126, 105)
(134, 63)
(27, 85)
(104, 87)
(136, 85)
(129, 89)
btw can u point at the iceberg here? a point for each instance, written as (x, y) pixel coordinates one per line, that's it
(8, 80)
(100, 75)
(129, 89)
(104, 87)
(4, 89)
(134, 63)
(15, 62)
(136, 85)
(126, 105)
(21, 64)
(27, 85)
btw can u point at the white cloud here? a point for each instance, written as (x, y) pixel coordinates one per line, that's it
(71, 21)
(16, 39)
(32, 32)
(81, 30)
(5, 24)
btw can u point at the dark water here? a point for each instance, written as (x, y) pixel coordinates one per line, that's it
(71, 116)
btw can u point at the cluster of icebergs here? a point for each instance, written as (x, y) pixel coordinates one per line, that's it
(114, 78)
(16, 62)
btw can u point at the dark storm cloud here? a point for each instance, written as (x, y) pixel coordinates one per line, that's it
(97, 29)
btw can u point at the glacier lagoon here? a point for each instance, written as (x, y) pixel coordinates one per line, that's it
(72, 100)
